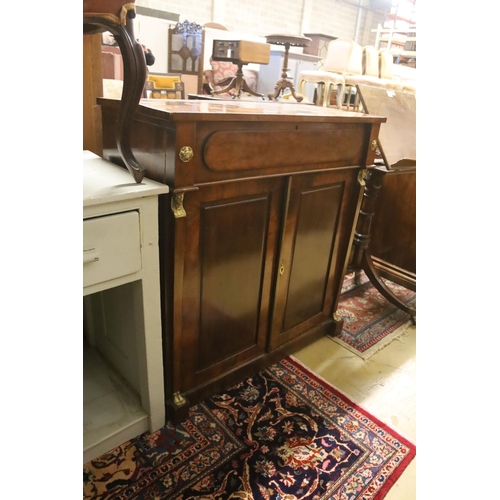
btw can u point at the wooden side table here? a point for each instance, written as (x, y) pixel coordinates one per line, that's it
(123, 362)
(284, 83)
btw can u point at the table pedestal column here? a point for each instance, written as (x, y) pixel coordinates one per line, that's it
(283, 83)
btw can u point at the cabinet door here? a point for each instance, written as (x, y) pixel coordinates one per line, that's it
(231, 242)
(311, 260)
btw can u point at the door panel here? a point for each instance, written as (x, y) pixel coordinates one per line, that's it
(230, 259)
(308, 263)
(231, 239)
(317, 216)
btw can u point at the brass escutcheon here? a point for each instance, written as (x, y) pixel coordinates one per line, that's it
(282, 269)
(186, 153)
(373, 145)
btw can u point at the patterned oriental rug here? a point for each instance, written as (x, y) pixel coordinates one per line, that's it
(371, 322)
(282, 434)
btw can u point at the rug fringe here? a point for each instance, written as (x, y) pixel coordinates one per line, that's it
(398, 334)
(349, 397)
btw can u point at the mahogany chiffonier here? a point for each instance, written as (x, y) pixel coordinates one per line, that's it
(255, 233)
(123, 392)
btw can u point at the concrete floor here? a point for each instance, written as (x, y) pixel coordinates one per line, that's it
(384, 385)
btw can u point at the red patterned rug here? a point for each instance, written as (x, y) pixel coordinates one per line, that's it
(282, 434)
(370, 321)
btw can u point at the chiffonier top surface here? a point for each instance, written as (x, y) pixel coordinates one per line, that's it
(247, 110)
(104, 182)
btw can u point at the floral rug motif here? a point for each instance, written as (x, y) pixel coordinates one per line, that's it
(370, 321)
(282, 434)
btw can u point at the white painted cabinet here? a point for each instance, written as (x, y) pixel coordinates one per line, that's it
(122, 355)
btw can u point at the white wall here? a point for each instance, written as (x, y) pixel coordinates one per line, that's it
(153, 33)
(262, 17)
(254, 19)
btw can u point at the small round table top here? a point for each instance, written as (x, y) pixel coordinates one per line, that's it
(292, 40)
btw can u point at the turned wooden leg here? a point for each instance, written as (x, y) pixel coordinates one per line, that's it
(134, 79)
(361, 239)
(357, 276)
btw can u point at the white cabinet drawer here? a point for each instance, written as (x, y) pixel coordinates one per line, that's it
(111, 247)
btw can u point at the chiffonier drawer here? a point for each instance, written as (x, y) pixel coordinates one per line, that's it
(111, 247)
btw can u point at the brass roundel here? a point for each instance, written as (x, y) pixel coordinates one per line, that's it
(186, 153)
(373, 145)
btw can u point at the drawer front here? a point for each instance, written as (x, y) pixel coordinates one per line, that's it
(256, 149)
(111, 247)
